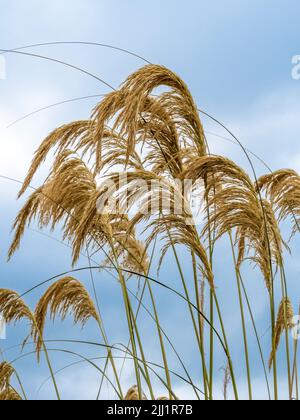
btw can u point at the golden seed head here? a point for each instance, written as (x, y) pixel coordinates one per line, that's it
(285, 321)
(66, 296)
(9, 394)
(6, 372)
(133, 394)
(12, 307)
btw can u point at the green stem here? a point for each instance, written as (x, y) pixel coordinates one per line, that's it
(159, 329)
(147, 376)
(295, 369)
(135, 317)
(211, 358)
(226, 346)
(200, 327)
(256, 335)
(242, 318)
(189, 304)
(47, 358)
(129, 321)
(21, 385)
(111, 359)
(165, 361)
(104, 336)
(297, 386)
(273, 322)
(133, 328)
(166, 337)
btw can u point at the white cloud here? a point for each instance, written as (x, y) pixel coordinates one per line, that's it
(19, 142)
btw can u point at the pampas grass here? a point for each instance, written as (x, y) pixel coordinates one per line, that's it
(133, 394)
(9, 394)
(6, 372)
(12, 307)
(157, 139)
(284, 321)
(66, 296)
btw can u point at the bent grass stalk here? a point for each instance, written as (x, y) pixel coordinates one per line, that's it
(171, 344)
(47, 358)
(187, 296)
(236, 394)
(211, 359)
(128, 311)
(156, 319)
(133, 329)
(200, 323)
(242, 318)
(272, 297)
(84, 359)
(103, 333)
(215, 301)
(295, 367)
(176, 112)
(256, 335)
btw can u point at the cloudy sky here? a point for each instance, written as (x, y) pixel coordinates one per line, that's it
(236, 57)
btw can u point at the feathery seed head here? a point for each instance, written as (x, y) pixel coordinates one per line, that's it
(12, 308)
(133, 395)
(285, 320)
(6, 372)
(282, 188)
(9, 394)
(65, 296)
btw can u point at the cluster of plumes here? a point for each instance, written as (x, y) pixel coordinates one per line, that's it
(282, 188)
(285, 321)
(65, 297)
(7, 392)
(156, 139)
(164, 209)
(235, 206)
(168, 123)
(13, 309)
(69, 197)
(150, 132)
(152, 136)
(163, 122)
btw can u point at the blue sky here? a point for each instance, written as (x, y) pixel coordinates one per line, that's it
(235, 56)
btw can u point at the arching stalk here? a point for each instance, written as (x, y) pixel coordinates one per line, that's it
(129, 320)
(200, 322)
(187, 296)
(256, 335)
(295, 367)
(47, 358)
(226, 345)
(242, 318)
